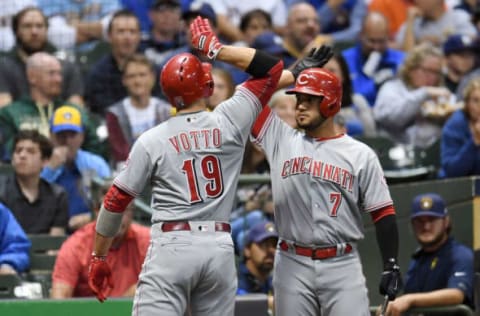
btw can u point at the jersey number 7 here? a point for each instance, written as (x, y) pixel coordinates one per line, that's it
(210, 171)
(335, 199)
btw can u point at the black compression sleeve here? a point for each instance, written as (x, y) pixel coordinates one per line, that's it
(387, 237)
(261, 64)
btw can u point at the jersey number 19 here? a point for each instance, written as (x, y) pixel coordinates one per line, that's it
(210, 170)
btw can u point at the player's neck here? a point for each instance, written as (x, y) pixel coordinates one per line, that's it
(326, 130)
(199, 105)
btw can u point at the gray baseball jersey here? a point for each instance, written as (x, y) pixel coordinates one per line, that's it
(320, 187)
(192, 161)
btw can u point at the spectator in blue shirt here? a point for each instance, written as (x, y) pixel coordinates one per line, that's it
(371, 62)
(441, 270)
(460, 144)
(71, 167)
(14, 244)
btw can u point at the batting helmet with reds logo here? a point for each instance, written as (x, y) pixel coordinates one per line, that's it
(320, 82)
(185, 79)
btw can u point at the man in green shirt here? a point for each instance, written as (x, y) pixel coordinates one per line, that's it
(44, 75)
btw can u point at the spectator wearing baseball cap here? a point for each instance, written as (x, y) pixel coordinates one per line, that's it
(459, 51)
(441, 270)
(429, 204)
(254, 273)
(269, 42)
(70, 165)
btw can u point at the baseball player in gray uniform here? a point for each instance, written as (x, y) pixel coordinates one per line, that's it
(322, 183)
(192, 162)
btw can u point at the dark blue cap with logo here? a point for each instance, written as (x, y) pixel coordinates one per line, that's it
(261, 231)
(428, 204)
(269, 42)
(459, 43)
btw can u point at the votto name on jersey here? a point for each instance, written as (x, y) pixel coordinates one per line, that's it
(196, 140)
(318, 169)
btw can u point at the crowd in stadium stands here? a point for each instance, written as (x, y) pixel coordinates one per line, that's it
(79, 82)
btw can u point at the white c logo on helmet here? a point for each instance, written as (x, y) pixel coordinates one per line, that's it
(304, 79)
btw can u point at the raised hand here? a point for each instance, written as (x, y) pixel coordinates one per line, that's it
(204, 39)
(100, 277)
(316, 58)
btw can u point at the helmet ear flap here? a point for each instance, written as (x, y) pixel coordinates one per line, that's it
(329, 108)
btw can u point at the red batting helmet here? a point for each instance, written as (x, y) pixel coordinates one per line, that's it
(185, 79)
(320, 82)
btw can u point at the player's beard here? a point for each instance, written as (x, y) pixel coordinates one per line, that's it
(313, 124)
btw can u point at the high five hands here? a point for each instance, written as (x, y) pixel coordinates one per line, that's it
(316, 58)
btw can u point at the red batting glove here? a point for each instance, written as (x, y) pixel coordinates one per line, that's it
(100, 277)
(204, 39)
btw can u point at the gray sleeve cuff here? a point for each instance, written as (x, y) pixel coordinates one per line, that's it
(108, 223)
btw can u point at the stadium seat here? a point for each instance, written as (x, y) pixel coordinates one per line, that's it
(42, 260)
(8, 282)
(403, 163)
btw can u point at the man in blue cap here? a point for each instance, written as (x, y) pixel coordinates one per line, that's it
(460, 51)
(254, 273)
(441, 270)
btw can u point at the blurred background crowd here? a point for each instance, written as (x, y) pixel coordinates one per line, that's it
(79, 82)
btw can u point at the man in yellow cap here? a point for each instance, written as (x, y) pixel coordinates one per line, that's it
(72, 167)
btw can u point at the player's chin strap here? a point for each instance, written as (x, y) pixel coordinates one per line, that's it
(109, 220)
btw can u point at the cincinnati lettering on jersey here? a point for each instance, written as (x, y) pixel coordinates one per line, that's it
(318, 169)
(196, 140)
